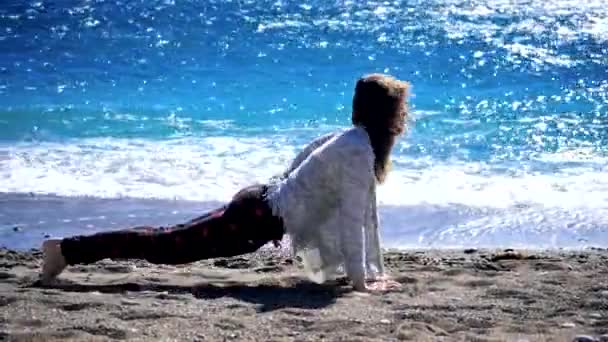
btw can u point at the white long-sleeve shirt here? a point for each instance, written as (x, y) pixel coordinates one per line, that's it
(328, 204)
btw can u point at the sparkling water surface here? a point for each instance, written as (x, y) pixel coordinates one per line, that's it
(115, 113)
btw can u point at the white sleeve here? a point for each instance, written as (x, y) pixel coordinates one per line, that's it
(373, 252)
(356, 179)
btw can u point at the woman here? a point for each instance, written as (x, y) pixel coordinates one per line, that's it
(325, 201)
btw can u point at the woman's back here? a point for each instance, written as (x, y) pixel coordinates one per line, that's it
(316, 178)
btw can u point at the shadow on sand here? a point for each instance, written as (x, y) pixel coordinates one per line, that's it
(304, 295)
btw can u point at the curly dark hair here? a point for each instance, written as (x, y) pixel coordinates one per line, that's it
(380, 106)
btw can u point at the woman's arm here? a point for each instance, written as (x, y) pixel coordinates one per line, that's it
(372, 236)
(356, 177)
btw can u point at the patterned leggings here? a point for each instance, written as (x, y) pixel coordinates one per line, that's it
(242, 226)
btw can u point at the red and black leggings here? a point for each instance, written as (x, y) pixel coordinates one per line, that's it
(242, 226)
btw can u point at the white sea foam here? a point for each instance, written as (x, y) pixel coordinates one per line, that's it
(203, 169)
(581, 183)
(213, 168)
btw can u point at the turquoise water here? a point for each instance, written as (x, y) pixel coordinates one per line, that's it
(187, 101)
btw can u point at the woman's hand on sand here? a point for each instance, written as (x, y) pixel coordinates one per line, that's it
(379, 285)
(383, 284)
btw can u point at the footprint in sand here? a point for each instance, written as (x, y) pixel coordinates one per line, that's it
(102, 330)
(4, 301)
(6, 275)
(497, 293)
(474, 283)
(299, 313)
(230, 325)
(137, 315)
(80, 306)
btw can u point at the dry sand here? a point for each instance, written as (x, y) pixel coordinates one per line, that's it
(446, 296)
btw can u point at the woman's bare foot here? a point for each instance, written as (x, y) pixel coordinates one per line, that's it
(53, 261)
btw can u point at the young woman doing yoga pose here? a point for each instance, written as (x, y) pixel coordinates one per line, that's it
(325, 202)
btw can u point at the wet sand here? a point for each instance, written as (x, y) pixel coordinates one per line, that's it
(447, 295)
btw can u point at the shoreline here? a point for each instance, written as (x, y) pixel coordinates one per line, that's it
(446, 295)
(26, 221)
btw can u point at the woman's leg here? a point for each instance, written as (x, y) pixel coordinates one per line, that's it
(171, 245)
(157, 245)
(242, 226)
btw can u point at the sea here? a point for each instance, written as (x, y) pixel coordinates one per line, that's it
(118, 113)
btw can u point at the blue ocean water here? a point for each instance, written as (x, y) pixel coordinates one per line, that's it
(129, 112)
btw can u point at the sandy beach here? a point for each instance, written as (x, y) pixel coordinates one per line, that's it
(447, 295)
